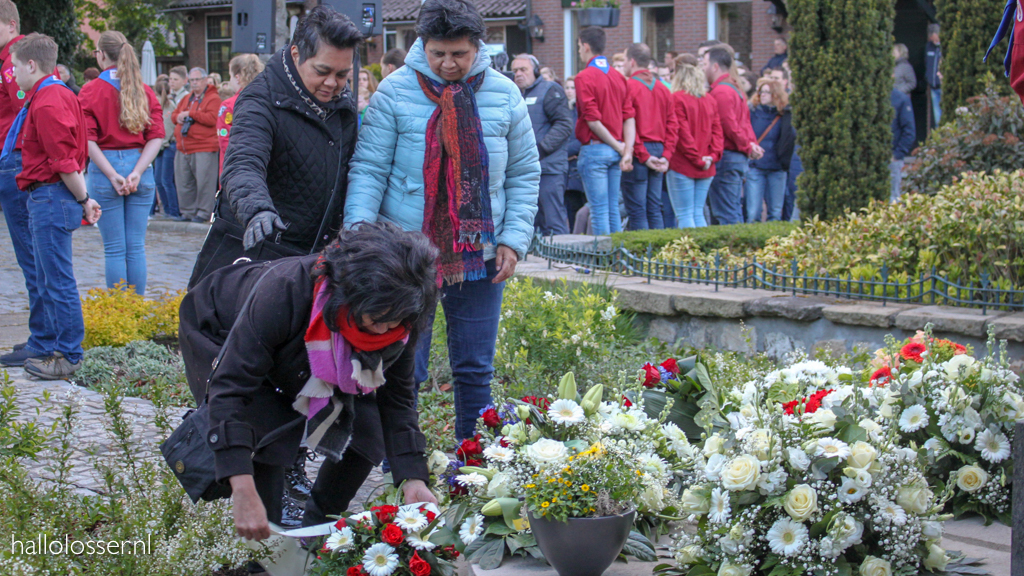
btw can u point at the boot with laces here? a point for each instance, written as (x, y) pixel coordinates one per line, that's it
(55, 367)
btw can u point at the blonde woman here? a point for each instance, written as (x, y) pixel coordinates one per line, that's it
(905, 79)
(699, 143)
(772, 121)
(243, 69)
(367, 81)
(125, 129)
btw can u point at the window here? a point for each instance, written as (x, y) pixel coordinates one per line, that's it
(730, 22)
(657, 29)
(218, 43)
(390, 39)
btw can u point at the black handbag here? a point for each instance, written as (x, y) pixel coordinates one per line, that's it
(223, 247)
(186, 450)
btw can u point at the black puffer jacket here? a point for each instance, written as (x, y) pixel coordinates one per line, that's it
(282, 157)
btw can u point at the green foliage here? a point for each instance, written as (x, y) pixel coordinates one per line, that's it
(54, 18)
(138, 369)
(840, 52)
(116, 316)
(736, 237)
(375, 70)
(137, 20)
(967, 29)
(437, 419)
(985, 135)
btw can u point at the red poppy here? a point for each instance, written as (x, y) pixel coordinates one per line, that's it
(385, 513)
(913, 351)
(392, 535)
(418, 566)
(881, 377)
(651, 376)
(671, 366)
(491, 418)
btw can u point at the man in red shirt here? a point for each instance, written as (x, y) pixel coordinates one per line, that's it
(724, 197)
(197, 163)
(50, 132)
(655, 134)
(606, 130)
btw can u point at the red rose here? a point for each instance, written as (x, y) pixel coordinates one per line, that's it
(651, 376)
(881, 377)
(355, 571)
(913, 352)
(470, 447)
(491, 418)
(430, 515)
(392, 535)
(340, 523)
(418, 566)
(474, 462)
(671, 366)
(385, 513)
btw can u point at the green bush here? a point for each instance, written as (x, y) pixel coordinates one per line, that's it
(136, 369)
(985, 135)
(735, 237)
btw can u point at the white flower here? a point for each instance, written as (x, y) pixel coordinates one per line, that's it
(787, 537)
(474, 480)
(972, 419)
(471, 529)
(713, 468)
(609, 313)
(546, 451)
(871, 427)
(499, 486)
(846, 531)
(798, 458)
(892, 512)
(971, 478)
(499, 453)
(837, 396)
(380, 560)
(937, 559)
(992, 446)
(741, 473)
(931, 529)
(628, 420)
(914, 418)
(410, 519)
(965, 436)
(565, 412)
(654, 465)
(340, 541)
(962, 364)
(873, 566)
(419, 542)
(801, 502)
(850, 491)
(823, 418)
(832, 448)
(730, 569)
(713, 445)
(693, 503)
(438, 462)
(720, 508)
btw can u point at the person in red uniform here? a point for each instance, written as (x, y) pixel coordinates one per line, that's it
(195, 131)
(125, 126)
(50, 132)
(606, 129)
(1013, 63)
(724, 197)
(698, 143)
(242, 69)
(655, 131)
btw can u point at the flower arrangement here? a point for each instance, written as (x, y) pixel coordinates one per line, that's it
(676, 385)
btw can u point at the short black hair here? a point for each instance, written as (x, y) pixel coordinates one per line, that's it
(640, 54)
(720, 56)
(394, 57)
(324, 24)
(378, 269)
(707, 43)
(450, 20)
(593, 36)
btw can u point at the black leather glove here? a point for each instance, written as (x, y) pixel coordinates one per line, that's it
(261, 226)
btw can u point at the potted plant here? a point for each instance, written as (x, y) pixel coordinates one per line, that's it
(603, 13)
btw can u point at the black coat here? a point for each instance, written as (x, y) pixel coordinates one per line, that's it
(265, 365)
(282, 157)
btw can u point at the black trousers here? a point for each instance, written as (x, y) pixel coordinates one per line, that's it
(335, 486)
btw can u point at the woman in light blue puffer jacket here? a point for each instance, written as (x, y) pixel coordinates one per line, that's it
(447, 81)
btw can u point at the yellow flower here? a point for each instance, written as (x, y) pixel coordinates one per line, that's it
(553, 499)
(585, 488)
(531, 485)
(544, 504)
(550, 480)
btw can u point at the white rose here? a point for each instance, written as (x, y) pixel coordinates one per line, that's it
(837, 396)
(822, 418)
(438, 462)
(730, 569)
(916, 498)
(499, 486)
(798, 458)
(801, 502)
(971, 478)
(871, 427)
(742, 473)
(713, 445)
(688, 554)
(546, 451)
(956, 364)
(937, 559)
(931, 529)
(694, 503)
(713, 468)
(873, 566)
(862, 455)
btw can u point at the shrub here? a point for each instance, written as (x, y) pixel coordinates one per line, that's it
(117, 316)
(967, 29)
(985, 135)
(136, 369)
(736, 237)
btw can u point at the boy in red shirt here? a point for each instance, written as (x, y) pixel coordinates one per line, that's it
(606, 130)
(50, 132)
(655, 134)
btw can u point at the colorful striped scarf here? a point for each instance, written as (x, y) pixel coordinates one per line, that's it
(457, 202)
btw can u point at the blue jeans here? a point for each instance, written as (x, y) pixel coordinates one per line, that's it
(472, 311)
(895, 179)
(769, 187)
(124, 220)
(643, 193)
(668, 214)
(936, 96)
(796, 167)
(688, 196)
(15, 207)
(53, 215)
(599, 169)
(163, 174)
(727, 188)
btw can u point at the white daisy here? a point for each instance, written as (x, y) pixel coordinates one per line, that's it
(498, 453)
(380, 560)
(420, 542)
(471, 529)
(832, 448)
(892, 512)
(787, 537)
(720, 508)
(474, 480)
(993, 446)
(914, 418)
(340, 541)
(851, 491)
(410, 519)
(565, 412)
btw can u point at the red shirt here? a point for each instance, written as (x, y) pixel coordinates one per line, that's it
(698, 134)
(1017, 54)
(655, 115)
(101, 105)
(601, 96)
(10, 103)
(224, 118)
(735, 116)
(52, 140)
(202, 136)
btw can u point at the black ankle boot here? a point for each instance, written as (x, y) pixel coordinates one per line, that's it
(291, 512)
(297, 484)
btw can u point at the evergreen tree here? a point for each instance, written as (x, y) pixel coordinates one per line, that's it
(55, 18)
(841, 57)
(967, 29)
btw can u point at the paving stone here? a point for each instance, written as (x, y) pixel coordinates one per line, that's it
(967, 321)
(723, 304)
(864, 314)
(792, 307)
(647, 298)
(1009, 327)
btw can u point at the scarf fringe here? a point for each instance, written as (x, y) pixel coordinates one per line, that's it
(372, 379)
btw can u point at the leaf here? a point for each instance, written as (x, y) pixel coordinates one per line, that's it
(490, 555)
(639, 547)
(499, 528)
(700, 570)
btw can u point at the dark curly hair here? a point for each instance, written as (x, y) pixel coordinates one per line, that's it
(450, 20)
(382, 271)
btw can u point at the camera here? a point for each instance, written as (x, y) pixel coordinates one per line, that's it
(185, 125)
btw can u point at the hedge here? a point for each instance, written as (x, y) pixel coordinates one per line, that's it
(738, 238)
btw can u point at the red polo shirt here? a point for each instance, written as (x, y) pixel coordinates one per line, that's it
(202, 136)
(101, 104)
(224, 119)
(698, 134)
(655, 115)
(52, 140)
(601, 96)
(735, 116)
(10, 104)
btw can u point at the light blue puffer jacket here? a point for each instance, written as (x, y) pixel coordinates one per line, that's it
(386, 176)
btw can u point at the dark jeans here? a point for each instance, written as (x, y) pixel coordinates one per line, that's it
(472, 311)
(574, 200)
(726, 192)
(643, 190)
(551, 217)
(163, 173)
(15, 206)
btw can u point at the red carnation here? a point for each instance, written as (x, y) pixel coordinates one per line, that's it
(959, 349)
(789, 407)
(881, 377)
(491, 418)
(385, 513)
(418, 566)
(355, 571)
(504, 442)
(430, 515)
(340, 523)
(392, 535)
(540, 402)
(671, 366)
(913, 352)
